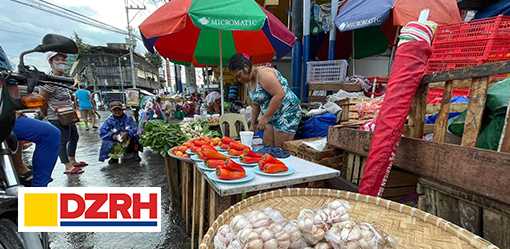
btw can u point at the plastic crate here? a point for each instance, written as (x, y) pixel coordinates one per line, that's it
(469, 44)
(326, 71)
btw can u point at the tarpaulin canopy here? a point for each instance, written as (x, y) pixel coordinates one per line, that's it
(500, 8)
(374, 22)
(358, 14)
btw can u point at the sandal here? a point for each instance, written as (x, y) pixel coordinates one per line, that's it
(74, 171)
(80, 164)
(26, 179)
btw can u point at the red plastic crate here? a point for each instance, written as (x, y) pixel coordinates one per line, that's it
(468, 44)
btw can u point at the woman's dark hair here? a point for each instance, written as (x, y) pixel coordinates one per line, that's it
(239, 62)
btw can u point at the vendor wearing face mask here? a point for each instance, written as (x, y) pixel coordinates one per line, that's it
(58, 98)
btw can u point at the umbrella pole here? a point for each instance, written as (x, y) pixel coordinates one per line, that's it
(221, 75)
(353, 55)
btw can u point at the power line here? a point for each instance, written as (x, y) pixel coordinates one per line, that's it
(77, 19)
(18, 32)
(81, 15)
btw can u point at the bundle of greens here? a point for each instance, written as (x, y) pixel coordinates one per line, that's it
(198, 128)
(160, 136)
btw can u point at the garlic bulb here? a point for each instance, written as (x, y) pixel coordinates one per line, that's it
(223, 237)
(313, 229)
(322, 245)
(351, 235)
(275, 215)
(332, 213)
(239, 222)
(296, 237)
(269, 237)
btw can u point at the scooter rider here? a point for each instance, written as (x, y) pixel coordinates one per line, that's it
(45, 137)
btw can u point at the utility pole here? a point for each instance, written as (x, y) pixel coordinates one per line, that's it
(130, 39)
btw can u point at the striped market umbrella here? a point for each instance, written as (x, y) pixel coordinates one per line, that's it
(206, 33)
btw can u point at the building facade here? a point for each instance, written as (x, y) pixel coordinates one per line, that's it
(108, 68)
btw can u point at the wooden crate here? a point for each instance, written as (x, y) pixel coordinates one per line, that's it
(330, 157)
(329, 88)
(401, 184)
(350, 112)
(483, 216)
(463, 184)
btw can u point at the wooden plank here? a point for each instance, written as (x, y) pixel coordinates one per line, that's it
(447, 208)
(401, 178)
(201, 210)
(463, 195)
(346, 86)
(483, 70)
(454, 107)
(184, 187)
(466, 83)
(187, 195)
(417, 114)
(317, 99)
(197, 179)
(470, 217)
(427, 199)
(496, 227)
(442, 119)
(504, 142)
(476, 105)
(356, 169)
(480, 171)
(172, 172)
(350, 165)
(213, 202)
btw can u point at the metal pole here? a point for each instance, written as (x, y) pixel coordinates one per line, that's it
(297, 50)
(121, 80)
(353, 54)
(221, 75)
(130, 43)
(306, 45)
(332, 30)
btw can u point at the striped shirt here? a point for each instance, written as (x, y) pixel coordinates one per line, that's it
(57, 97)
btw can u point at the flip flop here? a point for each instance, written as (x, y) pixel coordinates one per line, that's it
(80, 164)
(74, 171)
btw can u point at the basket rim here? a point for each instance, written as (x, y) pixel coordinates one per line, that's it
(463, 234)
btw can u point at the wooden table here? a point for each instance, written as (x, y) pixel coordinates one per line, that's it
(221, 196)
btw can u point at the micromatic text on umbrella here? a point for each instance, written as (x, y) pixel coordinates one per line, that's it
(89, 209)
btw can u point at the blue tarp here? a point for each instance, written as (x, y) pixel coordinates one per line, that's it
(317, 126)
(500, 8)
(431, 119)
(357, 14)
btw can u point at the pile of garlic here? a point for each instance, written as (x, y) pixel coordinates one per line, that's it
(259, 229)
(315, 223)
(328, 227)
(352, 235)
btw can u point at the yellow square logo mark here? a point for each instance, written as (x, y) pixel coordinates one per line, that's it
(41, 210)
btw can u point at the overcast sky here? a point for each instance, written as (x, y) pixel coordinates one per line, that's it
(22, 27)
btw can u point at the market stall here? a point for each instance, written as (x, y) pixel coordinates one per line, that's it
(204, 196)
(460, 183)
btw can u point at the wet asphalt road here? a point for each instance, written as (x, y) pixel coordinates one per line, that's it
(150, 172)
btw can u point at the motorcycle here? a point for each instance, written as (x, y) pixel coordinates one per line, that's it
(10, 101)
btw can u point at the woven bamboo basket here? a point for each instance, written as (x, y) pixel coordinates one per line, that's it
(411, 227)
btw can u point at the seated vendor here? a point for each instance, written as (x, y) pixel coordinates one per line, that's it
(119, 135)
(213, 101)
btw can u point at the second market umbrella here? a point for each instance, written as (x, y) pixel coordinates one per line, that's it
(204, 32)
